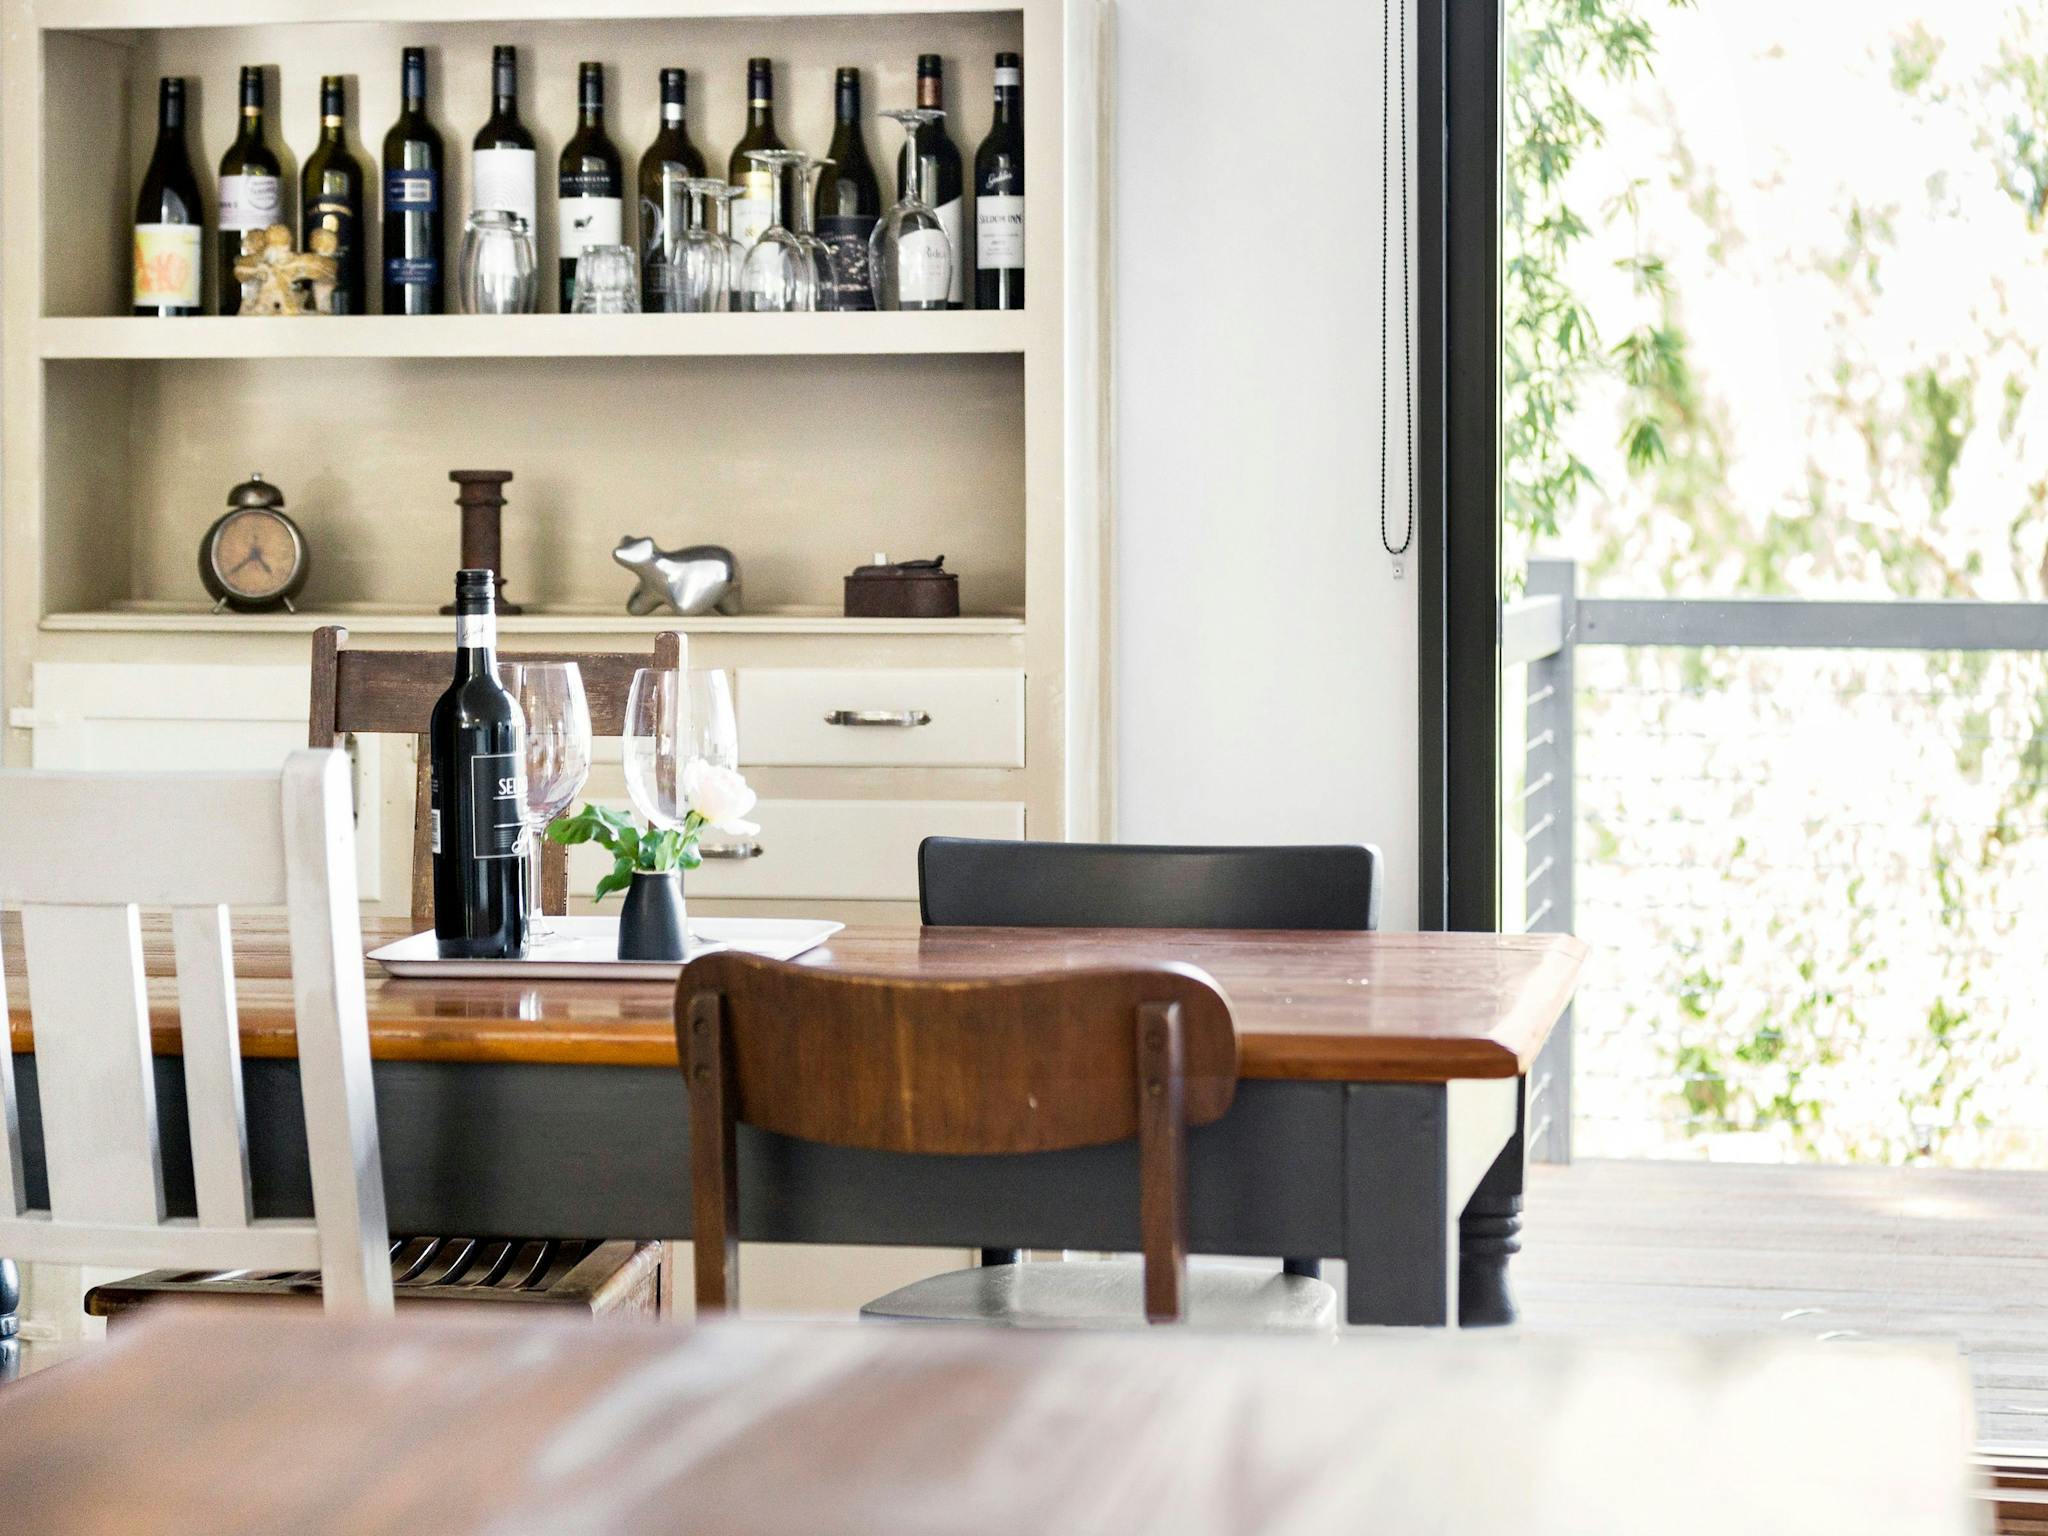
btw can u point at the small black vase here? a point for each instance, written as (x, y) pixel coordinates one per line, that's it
(651, 924)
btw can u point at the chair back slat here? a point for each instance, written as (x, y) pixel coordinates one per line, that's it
(996, 883)
(95, 1075)
(208, 840)
(13, 1181)
(212, 1045)
(971, 1068)
(393, 692)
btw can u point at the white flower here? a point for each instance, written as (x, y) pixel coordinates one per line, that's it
(720, 796)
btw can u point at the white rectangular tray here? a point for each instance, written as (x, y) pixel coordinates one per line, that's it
(587, 949)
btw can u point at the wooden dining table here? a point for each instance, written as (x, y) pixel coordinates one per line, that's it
(251, 1425)
(1379, 1118)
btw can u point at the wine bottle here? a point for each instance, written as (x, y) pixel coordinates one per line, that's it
(331, 198)
(755, 208)
(477, 790)
(943, 171)
(501, 168)
(999, 195)
(414, 233)
(168, 233)
(251, 188)
(849, 200)
(663, 200)
(590, 204)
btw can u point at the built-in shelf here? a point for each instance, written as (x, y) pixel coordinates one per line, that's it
(741, 335)
(88, 15)
(378, 619)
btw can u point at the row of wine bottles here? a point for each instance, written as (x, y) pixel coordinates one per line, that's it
(591, 193)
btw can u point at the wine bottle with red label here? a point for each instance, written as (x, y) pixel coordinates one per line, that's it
(477, 791)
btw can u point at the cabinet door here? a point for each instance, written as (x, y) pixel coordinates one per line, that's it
(191, 718)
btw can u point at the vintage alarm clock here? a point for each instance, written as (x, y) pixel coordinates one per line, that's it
(253, 559)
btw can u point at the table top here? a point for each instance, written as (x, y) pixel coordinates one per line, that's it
(1335, 1006)
(262, 1424)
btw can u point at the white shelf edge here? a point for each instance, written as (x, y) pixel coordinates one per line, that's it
(107, 15)
(412, 622)
(544, 336)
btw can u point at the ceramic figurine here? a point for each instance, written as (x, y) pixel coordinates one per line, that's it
(705, 578)
(277, 280)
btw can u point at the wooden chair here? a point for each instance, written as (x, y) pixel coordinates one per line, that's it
(80, 853)
(978, 1068)
(393, 693)
(992, 883)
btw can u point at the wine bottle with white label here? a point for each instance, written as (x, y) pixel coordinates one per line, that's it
(477, 791)
(750, 214)
(331, 198)
(590, 202)
(999, 195)
(943, 179)
(167, 231)
(849, 198)
(414, 268)
(664, 202)
(251, 188)
(501, 164)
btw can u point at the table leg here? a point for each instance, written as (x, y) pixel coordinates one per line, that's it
(1414, 1153)
(1490, 1234)
(10, 1303)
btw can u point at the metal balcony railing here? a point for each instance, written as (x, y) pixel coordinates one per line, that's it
(1543, 631)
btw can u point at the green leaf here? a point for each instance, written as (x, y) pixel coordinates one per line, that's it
(617, 880)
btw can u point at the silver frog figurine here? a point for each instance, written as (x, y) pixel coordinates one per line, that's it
(705, 578)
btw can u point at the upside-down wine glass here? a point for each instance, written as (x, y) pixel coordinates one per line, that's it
(778, 276)
(910, 258)
(824, 266)
(550, 695)
(696, 281)
(725, 195)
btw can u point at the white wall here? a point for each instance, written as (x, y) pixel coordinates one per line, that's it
(1266, 653)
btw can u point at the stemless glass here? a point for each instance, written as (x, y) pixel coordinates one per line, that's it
(550, 695)
(778, 276)
(607, 281)
(499, 274)
(824, 266)
(909, 256)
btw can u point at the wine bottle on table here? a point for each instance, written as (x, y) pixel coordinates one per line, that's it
(414, 236)
(251, 188)
(999, 195)
(501, 167)
(590, 197)
(663, 201)
(477, 791)
(755, 208)
(168, 234)
(331, 198)
(943, 168)
(849, 200)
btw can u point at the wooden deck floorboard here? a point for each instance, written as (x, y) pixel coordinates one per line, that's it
(1839, 1252)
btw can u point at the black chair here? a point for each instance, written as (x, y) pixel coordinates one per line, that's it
(980, 883)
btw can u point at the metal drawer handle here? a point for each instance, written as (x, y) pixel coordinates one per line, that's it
(901, 719)
(748, 850)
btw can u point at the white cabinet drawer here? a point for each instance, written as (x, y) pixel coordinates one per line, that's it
(829, 850)
(956, 717)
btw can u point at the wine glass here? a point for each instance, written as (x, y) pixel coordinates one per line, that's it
(909, 257)
(550, 695)
(725, 195)
(499, 274)
(712, 729)
(824, 266)
(607, 281)
(778, 275)
(672, 720)
(695, 278)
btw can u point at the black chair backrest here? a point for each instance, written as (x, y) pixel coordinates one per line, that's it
(972, 882)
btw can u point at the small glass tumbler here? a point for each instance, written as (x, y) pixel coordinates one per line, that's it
(499, 274)
(607, 281)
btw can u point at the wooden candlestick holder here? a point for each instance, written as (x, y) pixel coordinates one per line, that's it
(482, 500)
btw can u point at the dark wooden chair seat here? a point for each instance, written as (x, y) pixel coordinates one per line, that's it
(603, 1278)
(974, 1068)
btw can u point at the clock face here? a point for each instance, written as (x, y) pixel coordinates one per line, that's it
(255, 554)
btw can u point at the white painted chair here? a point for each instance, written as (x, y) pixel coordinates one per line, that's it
(80, 853)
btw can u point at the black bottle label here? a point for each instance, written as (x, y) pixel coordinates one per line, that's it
(847, 234)
(498, 799)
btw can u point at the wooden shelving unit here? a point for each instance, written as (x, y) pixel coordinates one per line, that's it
(803, 442)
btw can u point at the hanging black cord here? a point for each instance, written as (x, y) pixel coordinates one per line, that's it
(1388, 71)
